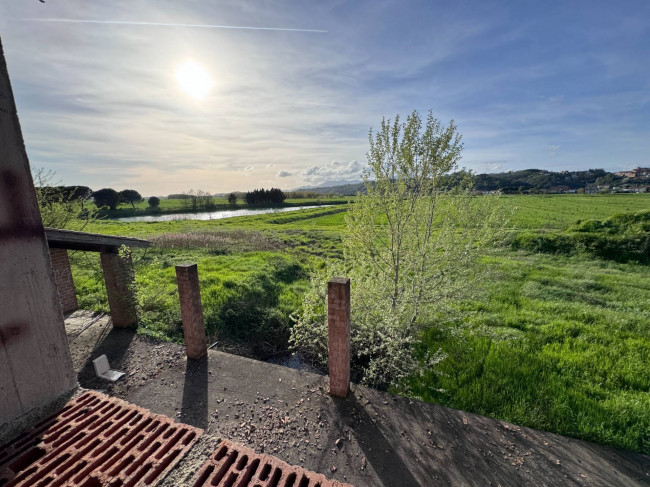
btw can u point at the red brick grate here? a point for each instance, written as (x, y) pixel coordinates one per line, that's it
(235, 465)
(96, 440)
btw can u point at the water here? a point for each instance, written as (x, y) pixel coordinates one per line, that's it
(212, 215)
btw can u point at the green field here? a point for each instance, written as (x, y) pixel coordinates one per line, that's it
(556, 342)
(542, 212)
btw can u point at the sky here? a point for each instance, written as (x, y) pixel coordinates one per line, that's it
(168, 96)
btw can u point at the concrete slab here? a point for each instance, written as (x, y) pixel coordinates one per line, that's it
(370, 438)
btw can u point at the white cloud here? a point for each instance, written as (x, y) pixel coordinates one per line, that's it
(334, 171)
(284, 174)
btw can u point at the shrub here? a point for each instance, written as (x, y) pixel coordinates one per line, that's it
(409, 249)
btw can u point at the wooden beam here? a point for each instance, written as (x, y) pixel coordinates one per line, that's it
(93, 242)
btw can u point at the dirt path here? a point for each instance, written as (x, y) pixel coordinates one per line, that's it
(371, 438)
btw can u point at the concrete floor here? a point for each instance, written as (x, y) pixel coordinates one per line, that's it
(371, 438)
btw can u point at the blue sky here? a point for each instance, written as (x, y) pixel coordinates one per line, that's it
(553, 85)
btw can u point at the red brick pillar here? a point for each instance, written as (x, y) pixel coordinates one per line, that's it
(120, 288)
(338, 322)
(189, 293)
(63, 280)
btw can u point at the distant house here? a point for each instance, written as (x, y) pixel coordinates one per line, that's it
(639, 172)
(642, 172)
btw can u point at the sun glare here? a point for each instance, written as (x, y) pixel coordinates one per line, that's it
(193, 79)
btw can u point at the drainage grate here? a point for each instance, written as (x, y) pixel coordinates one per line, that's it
(96, 440)
(233, 464)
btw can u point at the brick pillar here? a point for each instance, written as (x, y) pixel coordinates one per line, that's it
(120, 288)
(63, 278)
(338, 322)
(189, 293)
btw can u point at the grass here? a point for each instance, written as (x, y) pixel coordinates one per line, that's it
(558, 211)
(556, 342)
(623, 237)
(247, 297)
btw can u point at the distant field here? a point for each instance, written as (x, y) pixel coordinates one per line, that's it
(529, 212)
(559, 210)
(560, 343)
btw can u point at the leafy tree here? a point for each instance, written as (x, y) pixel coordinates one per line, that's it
(106, 197)
(198, 200)
(61, 206)
(154, 202)
(130, 196)
(409, 249)
(232, 199)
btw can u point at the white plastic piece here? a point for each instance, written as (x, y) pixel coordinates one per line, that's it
(103, 369)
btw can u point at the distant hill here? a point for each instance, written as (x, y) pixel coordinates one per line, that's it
(347, 189)
(524, 181)
(539, 180)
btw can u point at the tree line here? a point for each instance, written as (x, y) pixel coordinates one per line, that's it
(265, 196)
(193, 200)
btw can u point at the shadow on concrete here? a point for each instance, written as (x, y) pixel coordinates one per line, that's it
(114, 345)
(194, 409)
(378, 450)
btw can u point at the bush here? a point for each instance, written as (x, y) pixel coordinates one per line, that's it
(154, 202)
(409, 250)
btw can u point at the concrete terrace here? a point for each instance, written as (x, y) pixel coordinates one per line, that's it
(370, 438)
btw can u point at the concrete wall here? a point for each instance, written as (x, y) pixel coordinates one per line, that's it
(63, 279)
(35, 364)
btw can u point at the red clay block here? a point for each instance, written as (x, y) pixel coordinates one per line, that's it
(96, 440)
(235, 465)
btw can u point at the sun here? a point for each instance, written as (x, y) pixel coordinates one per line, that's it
(193, 79)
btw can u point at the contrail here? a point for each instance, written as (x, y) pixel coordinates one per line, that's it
(160, 24)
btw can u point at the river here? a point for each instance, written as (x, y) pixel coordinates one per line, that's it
(212, 215)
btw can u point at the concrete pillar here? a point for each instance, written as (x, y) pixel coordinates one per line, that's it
(63, 278)
(120, 288)
(35, 363)
(338, 323)
(189, 293)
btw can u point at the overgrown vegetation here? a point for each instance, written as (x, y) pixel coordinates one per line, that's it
(409, 249)
(624, 237)
(62, 206)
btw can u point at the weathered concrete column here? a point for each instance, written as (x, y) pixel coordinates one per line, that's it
(120, 288)
(338, 323)
(63, 278)
(35, 363)
(189, 292)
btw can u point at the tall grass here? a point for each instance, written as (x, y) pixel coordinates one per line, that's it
(558, 343)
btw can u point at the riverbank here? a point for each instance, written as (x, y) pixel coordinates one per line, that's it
(183, 206)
